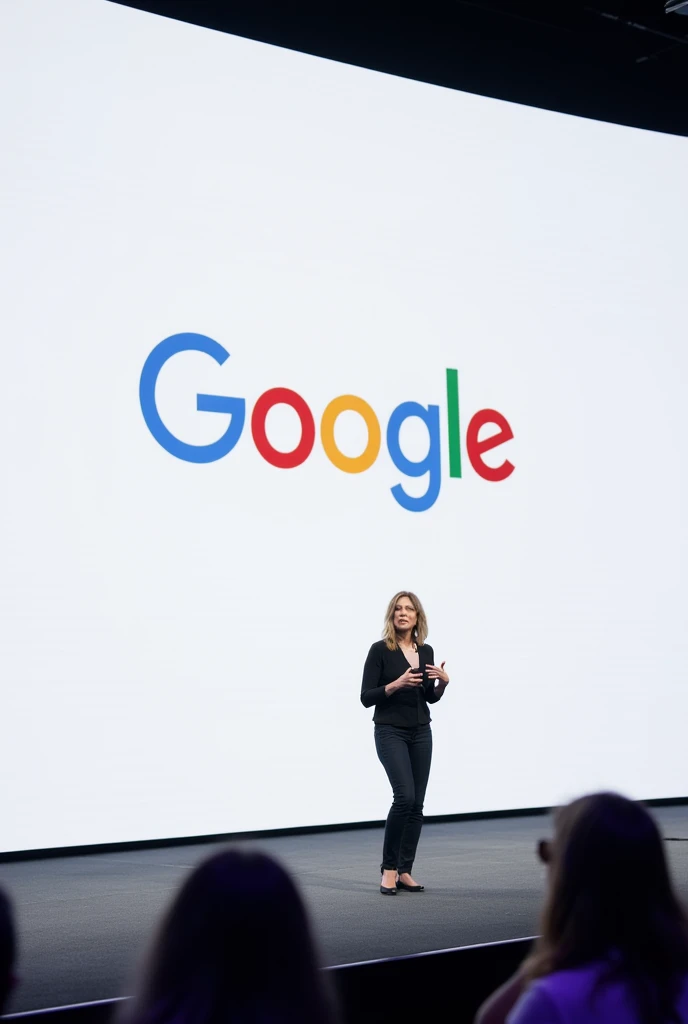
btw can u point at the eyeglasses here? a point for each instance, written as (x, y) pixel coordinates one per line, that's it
(544, 850)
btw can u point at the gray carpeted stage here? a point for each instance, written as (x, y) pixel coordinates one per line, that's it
(84, 920)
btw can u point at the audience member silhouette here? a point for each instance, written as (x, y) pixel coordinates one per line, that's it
(234, 946)
(8, 948)
(614, 942)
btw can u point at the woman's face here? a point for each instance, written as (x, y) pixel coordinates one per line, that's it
(405, 616)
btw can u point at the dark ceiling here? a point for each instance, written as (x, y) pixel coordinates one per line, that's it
(609, 59)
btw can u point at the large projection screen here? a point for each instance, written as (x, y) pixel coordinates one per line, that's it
(187, 601)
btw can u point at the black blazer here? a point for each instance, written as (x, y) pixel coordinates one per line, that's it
(406, 707)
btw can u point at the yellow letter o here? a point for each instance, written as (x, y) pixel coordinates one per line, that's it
(357, 463)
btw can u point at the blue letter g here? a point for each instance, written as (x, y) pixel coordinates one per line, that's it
(430, 464)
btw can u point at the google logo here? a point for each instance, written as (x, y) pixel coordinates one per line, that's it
(235, 408)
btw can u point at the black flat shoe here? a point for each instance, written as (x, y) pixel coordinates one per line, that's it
(387, 892)
(410, 888)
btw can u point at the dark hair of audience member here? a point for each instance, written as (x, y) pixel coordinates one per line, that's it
(234, 946)
(610, 897)
(8, 948)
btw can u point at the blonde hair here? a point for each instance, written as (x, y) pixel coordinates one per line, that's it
(420, 630)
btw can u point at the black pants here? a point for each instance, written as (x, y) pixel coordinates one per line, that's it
(405, 754)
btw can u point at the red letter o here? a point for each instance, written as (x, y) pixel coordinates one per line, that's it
(282, 396)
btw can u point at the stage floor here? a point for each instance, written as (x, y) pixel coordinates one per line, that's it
(84, 920)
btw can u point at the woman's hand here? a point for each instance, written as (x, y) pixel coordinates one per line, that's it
(411, 677)
(439, 674)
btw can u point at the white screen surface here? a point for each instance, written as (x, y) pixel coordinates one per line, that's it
(182, 643)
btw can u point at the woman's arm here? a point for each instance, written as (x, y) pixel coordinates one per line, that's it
(371, 690)
(434, 693)
(435, 684)
(535, 1007)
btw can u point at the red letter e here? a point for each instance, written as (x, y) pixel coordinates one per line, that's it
(475, 448)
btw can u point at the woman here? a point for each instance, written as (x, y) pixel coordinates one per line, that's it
(400, 679)
(614, 943)
(235, 947)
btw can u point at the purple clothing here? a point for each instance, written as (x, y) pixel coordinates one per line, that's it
(566, 997)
